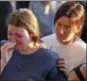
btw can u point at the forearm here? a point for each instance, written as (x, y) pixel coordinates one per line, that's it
(2, 65)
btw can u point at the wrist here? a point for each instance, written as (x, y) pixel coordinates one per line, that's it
(3, 63)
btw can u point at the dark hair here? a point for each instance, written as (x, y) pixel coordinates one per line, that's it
(74, 11)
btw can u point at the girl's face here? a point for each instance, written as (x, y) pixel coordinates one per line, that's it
(18, 35)
(64, 32)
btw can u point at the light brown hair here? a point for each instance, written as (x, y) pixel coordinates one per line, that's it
(26, 19)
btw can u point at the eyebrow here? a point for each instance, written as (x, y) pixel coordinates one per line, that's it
(18, 33)
(58, 21)
(64, 24)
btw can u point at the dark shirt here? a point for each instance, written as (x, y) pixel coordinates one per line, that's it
(39, 66)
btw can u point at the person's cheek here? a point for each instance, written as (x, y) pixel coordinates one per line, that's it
(18, 41)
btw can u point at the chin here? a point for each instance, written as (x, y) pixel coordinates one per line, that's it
(62, 41)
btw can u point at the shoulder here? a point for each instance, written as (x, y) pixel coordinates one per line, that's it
(49, 37)
(51, 42)
(48, 54)
(80, 44)
(80, 48)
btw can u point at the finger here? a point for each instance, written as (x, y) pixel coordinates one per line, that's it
(60, 62)
(65, 71)
(7, 49)
(7, 45)
(61, 59)
(10, 44)
(61, 66)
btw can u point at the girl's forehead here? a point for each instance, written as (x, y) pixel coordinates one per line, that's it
(64, 20)
(16, 29)
(12, 27)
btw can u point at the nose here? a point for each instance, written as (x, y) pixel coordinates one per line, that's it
(61, 30)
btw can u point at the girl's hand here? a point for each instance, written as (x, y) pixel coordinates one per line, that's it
(6, 53)
(62, 66)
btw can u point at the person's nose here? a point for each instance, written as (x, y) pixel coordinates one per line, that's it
(61, 30)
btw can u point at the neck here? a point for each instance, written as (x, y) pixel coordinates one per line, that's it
(69, 42)
(30, 49)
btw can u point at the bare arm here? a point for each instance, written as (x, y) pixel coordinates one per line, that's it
(6, 54)
(73, 76)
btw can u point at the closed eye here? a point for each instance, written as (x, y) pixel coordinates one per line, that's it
(19, 36)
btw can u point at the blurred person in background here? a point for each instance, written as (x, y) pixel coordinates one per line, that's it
(22, 4)
(45, 16)
(5, 9)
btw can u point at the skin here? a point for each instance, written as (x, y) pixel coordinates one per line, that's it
(74, 77)
(15, 35)
(84, 71)
(23, 41)
(64, 32)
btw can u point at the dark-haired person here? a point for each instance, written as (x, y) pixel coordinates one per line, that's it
(69, 21)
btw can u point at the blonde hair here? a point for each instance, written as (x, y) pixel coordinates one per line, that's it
(25, 18)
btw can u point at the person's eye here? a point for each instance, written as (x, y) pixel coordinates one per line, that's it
(19, 36)
(67, 27)
(59, 24)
